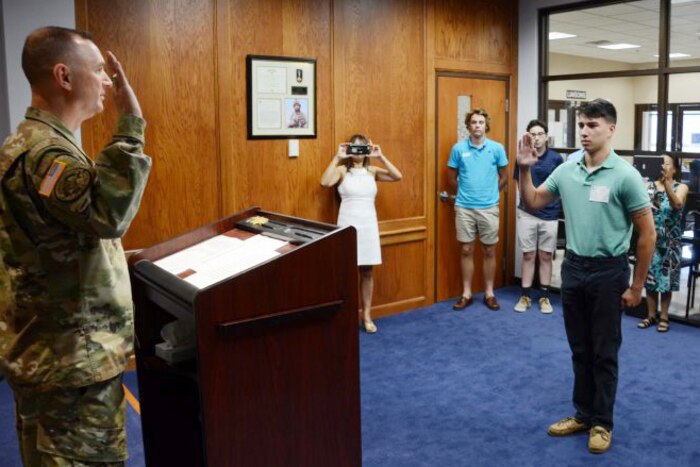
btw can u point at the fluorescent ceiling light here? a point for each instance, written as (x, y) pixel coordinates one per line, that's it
(559, 35)
(674, 55)
(619, 46)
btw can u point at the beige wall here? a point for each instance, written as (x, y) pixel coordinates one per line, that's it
(619, 91)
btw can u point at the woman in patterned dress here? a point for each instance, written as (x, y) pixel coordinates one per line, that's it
(667, 199)
(356, 179)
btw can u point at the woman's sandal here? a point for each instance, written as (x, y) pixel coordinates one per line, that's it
(370, 327)
(646, 323)
(663, 325)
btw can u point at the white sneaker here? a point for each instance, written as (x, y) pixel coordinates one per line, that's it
(523, 304)
(545, 306)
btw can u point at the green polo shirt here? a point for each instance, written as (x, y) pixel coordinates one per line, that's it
(598, 205)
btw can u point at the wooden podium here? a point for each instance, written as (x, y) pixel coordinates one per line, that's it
(275, 379)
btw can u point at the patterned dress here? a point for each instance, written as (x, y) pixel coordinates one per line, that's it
(664, 272)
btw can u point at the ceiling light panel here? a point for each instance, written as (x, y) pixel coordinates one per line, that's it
(559, 35)
(619, 46)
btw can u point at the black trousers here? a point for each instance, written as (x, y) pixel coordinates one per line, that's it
(592, 291)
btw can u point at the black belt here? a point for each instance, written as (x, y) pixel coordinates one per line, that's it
(597, 260)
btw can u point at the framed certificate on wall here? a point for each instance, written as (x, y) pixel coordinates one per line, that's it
(281, 95)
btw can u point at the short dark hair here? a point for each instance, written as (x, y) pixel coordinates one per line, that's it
(481, 112)
(536, 122)
(361, 139)
(599, 108)
(46, 47)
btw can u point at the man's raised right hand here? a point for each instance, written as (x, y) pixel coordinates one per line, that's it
(527, 154)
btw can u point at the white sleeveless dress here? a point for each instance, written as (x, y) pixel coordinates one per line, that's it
(357, 192)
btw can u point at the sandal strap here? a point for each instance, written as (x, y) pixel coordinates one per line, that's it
(647, 322)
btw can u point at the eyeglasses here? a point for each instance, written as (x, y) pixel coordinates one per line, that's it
(537, 135)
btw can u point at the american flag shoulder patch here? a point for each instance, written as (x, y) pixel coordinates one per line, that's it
(51, 177)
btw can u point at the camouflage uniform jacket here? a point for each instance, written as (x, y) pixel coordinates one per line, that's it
(67, 314)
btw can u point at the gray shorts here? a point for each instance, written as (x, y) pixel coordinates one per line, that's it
(535, 233)
(484, 222)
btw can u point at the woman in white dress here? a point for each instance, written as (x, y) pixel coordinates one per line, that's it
(356, 179)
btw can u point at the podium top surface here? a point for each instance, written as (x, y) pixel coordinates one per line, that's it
(221, 250)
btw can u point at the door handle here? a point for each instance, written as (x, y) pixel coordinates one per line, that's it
(445, 197)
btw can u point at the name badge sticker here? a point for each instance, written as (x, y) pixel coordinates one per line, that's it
(466, 154)
(600, 194)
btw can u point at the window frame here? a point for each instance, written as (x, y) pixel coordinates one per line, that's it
(663, 72)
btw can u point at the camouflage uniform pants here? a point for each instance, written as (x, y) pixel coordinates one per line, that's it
(73, 427)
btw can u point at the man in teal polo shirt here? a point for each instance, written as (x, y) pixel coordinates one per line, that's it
(603, 197)
(478, 170)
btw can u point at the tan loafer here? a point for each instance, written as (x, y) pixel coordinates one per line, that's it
(599, 440)
(567, 426)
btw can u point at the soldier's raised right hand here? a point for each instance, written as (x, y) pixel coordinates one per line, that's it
(124, 96)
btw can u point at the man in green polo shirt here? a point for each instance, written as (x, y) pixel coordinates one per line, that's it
(603, 197)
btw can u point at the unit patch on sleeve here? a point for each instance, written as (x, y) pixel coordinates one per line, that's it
(73, 184)
(51, 177)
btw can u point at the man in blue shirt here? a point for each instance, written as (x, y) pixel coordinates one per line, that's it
(537, 230)
(603, 197)
(478, 170)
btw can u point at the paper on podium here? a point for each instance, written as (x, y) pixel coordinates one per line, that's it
(220, 257)
(185, 259)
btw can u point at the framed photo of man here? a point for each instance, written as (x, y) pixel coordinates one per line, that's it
(281, 97)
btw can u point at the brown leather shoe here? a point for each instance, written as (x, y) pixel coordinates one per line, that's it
(462, 303)
(491, 303)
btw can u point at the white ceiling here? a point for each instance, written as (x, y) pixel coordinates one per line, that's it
(632, 23)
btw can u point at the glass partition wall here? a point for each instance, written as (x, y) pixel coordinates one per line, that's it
(644, 56)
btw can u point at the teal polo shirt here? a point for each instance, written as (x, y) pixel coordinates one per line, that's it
(478, 172)
(598, 206)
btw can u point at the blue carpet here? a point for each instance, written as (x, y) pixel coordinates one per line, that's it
(478, 388)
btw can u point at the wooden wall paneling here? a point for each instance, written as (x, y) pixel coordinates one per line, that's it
(260, 171)
(430, 142)
(512, 148)
(167, 49)
(476, 66)
(400, 281)
(376, 65)
(497, 21)
(379, 77)
(475, 41)
(476, 35)
(457, 30)
(380, 71)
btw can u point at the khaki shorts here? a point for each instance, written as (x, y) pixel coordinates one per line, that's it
(470, 222)
(535, 233)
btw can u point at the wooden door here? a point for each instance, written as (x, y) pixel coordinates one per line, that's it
(490, 94)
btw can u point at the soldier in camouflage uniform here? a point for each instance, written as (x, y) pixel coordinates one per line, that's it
(66, 322)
